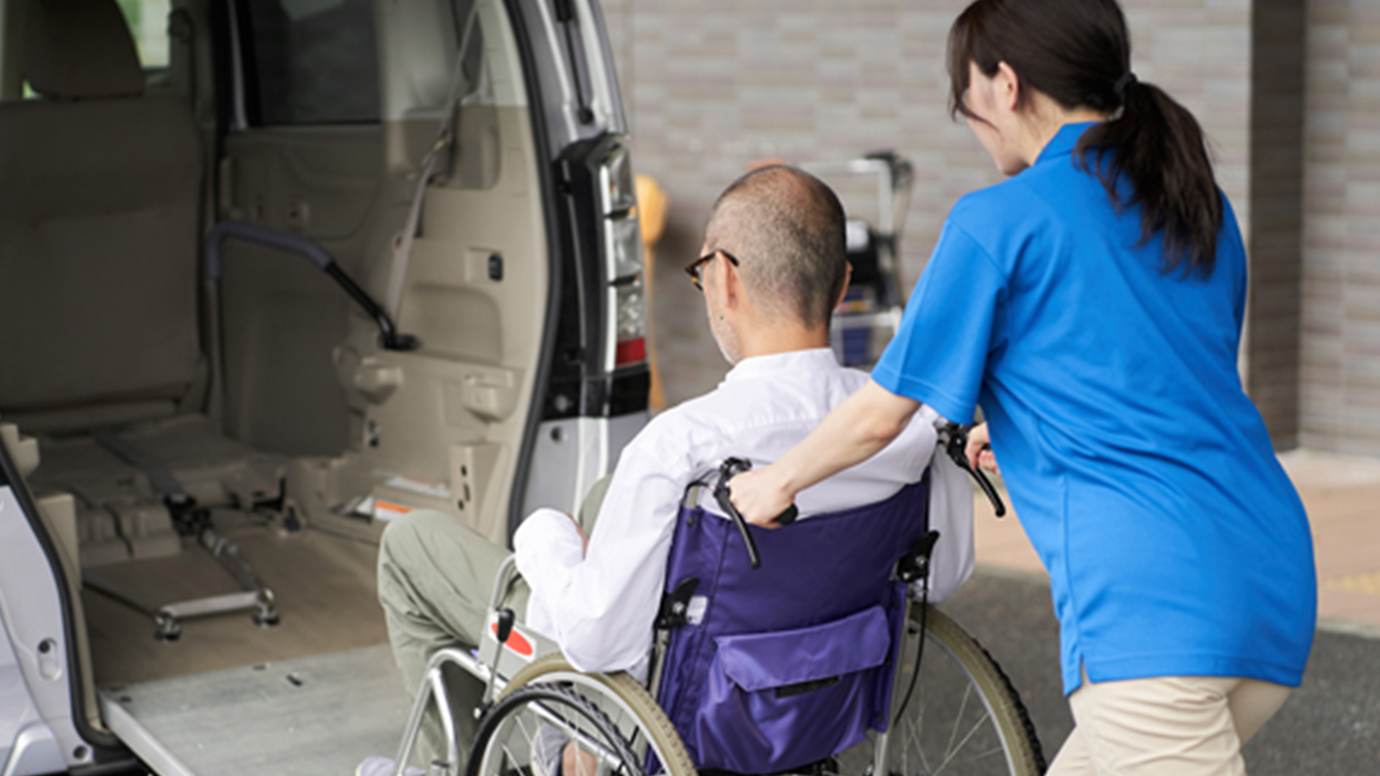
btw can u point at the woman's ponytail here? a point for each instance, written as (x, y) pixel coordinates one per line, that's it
(1158, 146)
(1151, 153)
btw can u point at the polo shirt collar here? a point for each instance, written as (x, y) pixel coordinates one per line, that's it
(1063, 141)
(792, 362)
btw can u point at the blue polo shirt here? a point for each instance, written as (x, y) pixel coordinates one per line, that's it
(1142, 473)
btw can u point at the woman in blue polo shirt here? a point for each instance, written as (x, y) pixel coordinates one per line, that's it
(1092, 305)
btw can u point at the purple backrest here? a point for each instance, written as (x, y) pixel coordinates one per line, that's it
(790, 662)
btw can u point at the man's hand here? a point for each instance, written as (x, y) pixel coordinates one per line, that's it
(584, 537)
(760, 496)
(979, 449)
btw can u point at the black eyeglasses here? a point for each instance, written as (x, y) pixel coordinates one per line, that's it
(694, 268)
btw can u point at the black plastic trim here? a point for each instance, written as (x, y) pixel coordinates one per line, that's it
(223, 82)
(629, 391)
(249, 63)
(624, 392)
(522, 468)
(105, 745)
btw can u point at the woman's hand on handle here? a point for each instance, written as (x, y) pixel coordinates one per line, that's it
(857, 429)
(979, 450)
(760, 496)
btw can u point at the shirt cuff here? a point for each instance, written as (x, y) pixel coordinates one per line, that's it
(546, 541)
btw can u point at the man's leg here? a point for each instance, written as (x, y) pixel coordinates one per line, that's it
(435, 578)
(589, 508)
(1179, 726)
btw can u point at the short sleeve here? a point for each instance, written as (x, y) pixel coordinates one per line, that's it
(940, 353)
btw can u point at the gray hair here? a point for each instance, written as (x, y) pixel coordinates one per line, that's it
(786, 227)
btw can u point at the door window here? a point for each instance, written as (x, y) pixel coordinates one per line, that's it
(312, 62)
(148, 22)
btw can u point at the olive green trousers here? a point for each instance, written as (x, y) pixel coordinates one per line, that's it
(436, 576)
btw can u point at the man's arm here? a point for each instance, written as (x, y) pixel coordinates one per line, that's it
(600, 606)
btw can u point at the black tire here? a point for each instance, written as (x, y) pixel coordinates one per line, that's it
(609, 713)
(963, 717)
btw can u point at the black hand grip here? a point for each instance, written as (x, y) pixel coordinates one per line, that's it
(956, 445)
(990, 490)
(789, 516)
(506, 618)
(731, 468)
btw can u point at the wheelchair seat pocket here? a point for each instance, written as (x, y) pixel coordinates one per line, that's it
(789, 659)
(779, 700)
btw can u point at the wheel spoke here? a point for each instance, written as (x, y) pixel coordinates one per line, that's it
(949, 756)
(963, 706)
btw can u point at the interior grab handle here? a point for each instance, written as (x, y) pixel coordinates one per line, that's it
(312, 251)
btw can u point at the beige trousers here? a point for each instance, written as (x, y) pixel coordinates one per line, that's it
(1166, 726)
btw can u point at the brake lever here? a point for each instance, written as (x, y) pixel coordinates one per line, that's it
(955, 440)
(730, 468)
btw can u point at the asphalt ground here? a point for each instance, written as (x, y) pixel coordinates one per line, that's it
(1330, 726)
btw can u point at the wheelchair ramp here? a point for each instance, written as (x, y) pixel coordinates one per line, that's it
(309, 716)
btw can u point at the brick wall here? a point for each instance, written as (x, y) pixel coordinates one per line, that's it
(1341, 264)
(711, 84)
(1276, 233)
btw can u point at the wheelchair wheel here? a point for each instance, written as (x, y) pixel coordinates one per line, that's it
(963, 717)
(617, 727)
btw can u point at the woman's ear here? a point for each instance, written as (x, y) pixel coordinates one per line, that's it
(1006, 88)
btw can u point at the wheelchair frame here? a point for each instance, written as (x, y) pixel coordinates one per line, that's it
(506, 664)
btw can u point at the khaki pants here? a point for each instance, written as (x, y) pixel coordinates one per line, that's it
(1166, 726)
(436, 575)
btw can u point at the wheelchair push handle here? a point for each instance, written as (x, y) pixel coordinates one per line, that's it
(730, 468)
(954, 438)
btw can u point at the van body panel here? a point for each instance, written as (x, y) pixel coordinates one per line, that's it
(290, 426)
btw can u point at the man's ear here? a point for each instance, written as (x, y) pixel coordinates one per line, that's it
(847, 278)
(732, 286)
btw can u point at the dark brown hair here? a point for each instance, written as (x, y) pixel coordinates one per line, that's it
(1079, 54)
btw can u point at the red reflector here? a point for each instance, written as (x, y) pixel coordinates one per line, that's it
(515, 640)
(631, 351)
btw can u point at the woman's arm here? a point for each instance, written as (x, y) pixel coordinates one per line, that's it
(857, 429)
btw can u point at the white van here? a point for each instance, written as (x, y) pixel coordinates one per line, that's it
(273, 272)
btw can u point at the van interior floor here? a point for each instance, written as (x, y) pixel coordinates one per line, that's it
(325, 593)
(309, 716)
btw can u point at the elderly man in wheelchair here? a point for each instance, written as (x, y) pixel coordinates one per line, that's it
(673, 637)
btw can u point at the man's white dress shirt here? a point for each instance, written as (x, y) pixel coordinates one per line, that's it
(599, 606)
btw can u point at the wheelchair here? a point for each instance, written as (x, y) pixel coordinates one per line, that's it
(806, 665)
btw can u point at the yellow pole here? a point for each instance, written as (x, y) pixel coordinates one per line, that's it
(651, 211)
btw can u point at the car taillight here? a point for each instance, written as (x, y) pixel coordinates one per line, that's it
(623, 258)
(630, 303)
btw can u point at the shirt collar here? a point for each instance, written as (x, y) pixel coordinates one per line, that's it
(795, 361)
(1063, 141)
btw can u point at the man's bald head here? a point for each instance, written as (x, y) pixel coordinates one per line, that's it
(786, 228)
